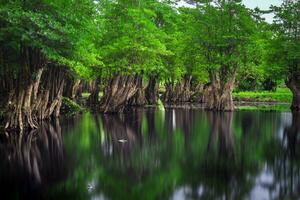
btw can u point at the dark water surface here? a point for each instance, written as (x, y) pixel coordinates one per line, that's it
(148, 154)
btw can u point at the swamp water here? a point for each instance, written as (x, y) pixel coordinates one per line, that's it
(153, 154)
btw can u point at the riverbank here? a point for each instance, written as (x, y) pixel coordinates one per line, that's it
(278, 100)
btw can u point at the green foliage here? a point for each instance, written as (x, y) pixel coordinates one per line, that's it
(132, 43)
(64, 36)
(97, 39)
(220, 39)
(70, 107)
(283, 53)
(180, 157)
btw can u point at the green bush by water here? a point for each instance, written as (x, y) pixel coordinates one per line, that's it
(70, 107)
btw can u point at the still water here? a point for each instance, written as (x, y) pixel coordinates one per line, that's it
(153, 154)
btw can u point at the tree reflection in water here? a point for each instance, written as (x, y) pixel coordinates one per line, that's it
(152, 154)
(183, 154)
(284, 163)
(31, 161)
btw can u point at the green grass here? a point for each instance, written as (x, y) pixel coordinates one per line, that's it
(280, 95)
(277, 107)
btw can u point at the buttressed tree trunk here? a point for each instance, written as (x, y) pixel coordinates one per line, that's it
(197, 90)
(139, 99)
(24, 89)
(36, 94)
(206, 94)
(50, 95)
(93, 100)
(120, 89)
(219, 95)
(180, 92)
(72, 88)
(152, 90)
(293, 84)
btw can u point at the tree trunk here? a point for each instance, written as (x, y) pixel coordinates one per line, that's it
(152, 90)
(179, 93)
(294, 86)
(93, 100)
(219, 94)
(50, 98)
(72, 88)
(197, 91)
(220, 98)
(139, 99)
(39, 100)
(168, 96)
(24, 90)
(118, 92)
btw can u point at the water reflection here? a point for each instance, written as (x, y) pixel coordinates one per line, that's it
(154, 154)
(221, 135)
(32, 160)
(283, 164)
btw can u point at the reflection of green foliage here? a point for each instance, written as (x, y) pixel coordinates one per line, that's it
(155, 167)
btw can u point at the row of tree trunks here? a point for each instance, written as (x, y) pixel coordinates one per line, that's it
(179, 92)
(293, 84)
(23, 92)
(120, 89)
(36, 93)
(151, 91)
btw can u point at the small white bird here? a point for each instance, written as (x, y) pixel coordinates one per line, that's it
(122, 140)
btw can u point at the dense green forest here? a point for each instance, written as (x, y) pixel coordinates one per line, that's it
(140, 52)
